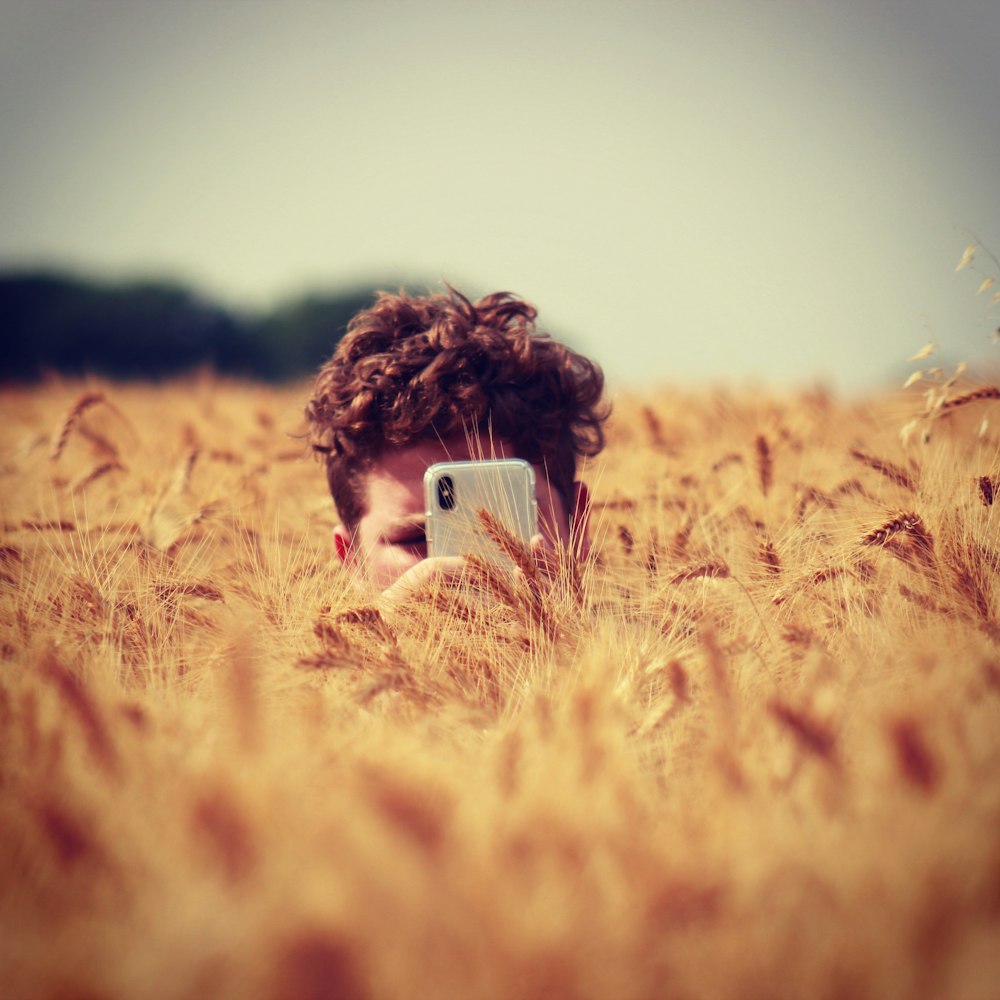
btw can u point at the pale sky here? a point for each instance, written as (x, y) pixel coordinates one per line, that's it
(688, 191)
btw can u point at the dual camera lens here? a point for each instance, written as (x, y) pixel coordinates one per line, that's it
(446, 493)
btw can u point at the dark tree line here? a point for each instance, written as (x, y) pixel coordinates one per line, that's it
(52, 322)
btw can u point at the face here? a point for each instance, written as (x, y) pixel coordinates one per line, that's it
(390, 536)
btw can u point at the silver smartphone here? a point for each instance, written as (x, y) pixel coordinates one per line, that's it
(455, 492)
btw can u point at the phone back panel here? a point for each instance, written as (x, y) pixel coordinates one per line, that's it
(455, 492)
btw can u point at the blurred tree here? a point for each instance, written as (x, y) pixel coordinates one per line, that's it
(56, 322)
(301, 334)
(147, 328)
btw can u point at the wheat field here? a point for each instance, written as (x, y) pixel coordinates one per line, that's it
(752, 750)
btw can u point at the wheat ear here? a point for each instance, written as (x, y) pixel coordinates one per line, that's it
(77, 410)
(986, 490)
(888, 469)
(906, 522)
(765, 463)
(511, 546)
(987, 392)
(707, 570)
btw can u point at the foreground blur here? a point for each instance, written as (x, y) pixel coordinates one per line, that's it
(752, 750)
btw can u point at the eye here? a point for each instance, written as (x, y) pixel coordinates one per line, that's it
(410, 539)
(413, 542)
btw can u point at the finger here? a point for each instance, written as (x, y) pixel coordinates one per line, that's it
(545, 556)
(440, 569)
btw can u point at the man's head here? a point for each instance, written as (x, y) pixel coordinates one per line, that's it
(422, 379)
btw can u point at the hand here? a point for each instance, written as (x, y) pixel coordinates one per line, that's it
(545, 556)
(437, 569)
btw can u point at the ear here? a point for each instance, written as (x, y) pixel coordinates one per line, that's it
(579, 521)
(343, 545)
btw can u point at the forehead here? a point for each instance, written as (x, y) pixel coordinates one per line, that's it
(395, 481)
(405, 464)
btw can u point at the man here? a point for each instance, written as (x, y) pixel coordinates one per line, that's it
(419, 380)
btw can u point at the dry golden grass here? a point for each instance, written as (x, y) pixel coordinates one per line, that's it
(752, 750)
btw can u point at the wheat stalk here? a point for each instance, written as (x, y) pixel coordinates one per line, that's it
(11, 554)
(76, 411)
(48, 525)
(510, 545)
(627, 539)
(904, 522)
(766, 551)
(654, 428)
(679, 543)
(885, 468)
(809, 732)
(798, 635)
(986, 490)
(765, 463)
(80, 701)
(916, 762)
(924, 601)
(620, 503)
(207, 591)
(97, 473)
(712, 570)
(728, 459)
(812, 495)
(819, 576)
(987, 392)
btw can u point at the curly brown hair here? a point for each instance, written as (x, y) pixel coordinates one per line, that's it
(412, 368)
